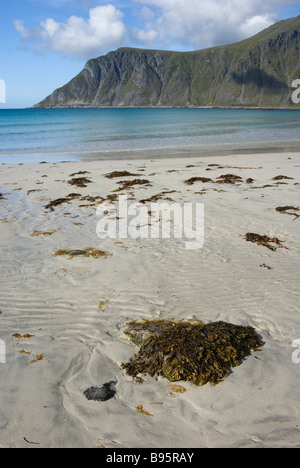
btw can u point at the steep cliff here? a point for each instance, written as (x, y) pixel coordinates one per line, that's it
(256, 72)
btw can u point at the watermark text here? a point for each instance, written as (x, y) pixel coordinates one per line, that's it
(159, 221)
(2, 92)
(296, 93)
(296, 353)
(2, 352)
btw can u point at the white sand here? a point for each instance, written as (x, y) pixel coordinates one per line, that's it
(56, 300)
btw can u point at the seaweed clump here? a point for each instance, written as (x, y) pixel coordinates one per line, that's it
(287, 209)
(79, 173)
(59, 201)
(126, 184)
(189, 350)
(41, 233)
(266, 241)
(87, 252)
(116, 174)
(229, 179)
(192, 180)
(159, 196)
(80, 181)
(282, 177)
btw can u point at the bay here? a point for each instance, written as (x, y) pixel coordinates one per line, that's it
(54, 135)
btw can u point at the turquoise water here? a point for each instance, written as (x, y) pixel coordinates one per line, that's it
(35, 135)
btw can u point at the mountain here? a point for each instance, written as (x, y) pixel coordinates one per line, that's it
(256, 72)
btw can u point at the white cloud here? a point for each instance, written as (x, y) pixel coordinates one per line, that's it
(204, 23)
(147, 14)
(171, 24)
(148, 36)
(103, 30)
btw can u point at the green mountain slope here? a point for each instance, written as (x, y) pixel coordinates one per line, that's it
(256, 72)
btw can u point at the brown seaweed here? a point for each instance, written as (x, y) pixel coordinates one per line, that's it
(282, 177)
(159, 196)
(177, 389)
(140, 409)
(57, 202)
(189, 350)
(25, 353)
(32, 191)
(266, 266)
(116, 174)
(60, 201)
(18, 336)
(229, 179)
(286, 209)
(79, 173)
(92, 199)
(266, 241)
(192, 180)
(87, 252)
(38, 357)
(80, 181)
(112, 197)
(126, 184)
(73, 196)
(41, 233)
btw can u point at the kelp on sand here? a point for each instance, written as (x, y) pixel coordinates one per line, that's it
(87, 252)
(287, 210)
(265, 241)
(189, 350)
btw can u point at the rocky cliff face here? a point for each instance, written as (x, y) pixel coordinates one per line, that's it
(255, 72)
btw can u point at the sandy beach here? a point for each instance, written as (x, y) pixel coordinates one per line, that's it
(62, 319)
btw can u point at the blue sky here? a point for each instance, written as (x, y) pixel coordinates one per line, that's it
(45, 43)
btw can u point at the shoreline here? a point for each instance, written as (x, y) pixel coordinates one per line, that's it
(62, 319)
(107, 156)
(292, 107)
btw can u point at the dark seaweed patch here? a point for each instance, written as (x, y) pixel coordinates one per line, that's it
(229, 179)
(288, 209)
(116, 174)
(282, 177)
(126, 184)
(192, 180)
(87, 252)
(266, 241)
(80, 181)
(79, 173)
(59, 201)
(189, 350)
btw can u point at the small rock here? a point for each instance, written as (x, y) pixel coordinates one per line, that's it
(104, 393)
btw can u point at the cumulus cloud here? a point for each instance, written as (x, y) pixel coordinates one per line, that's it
(205, 23)
(170, 24)
(103, 30)
(147, 36)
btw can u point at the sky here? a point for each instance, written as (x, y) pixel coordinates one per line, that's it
(45, 43)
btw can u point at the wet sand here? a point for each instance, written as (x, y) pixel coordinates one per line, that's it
(62, 319)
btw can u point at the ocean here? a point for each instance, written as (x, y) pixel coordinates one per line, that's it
(54, 135)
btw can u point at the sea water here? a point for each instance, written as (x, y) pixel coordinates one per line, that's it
(53, 135)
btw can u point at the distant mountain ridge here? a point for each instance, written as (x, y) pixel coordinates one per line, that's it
(256, 72)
